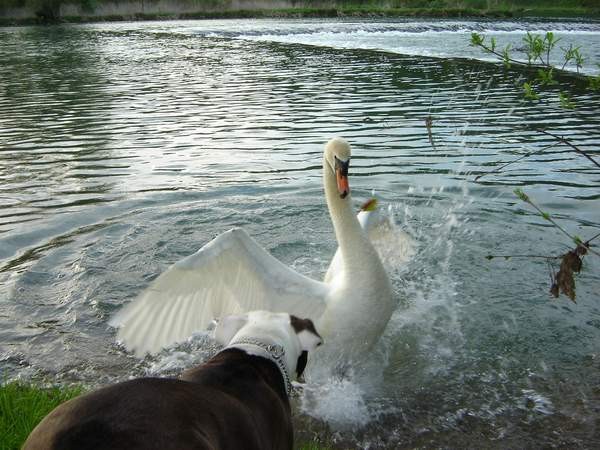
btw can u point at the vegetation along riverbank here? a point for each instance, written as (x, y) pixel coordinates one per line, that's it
(23, 406)
(24, 12)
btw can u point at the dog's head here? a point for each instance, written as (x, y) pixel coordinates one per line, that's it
(297, 336)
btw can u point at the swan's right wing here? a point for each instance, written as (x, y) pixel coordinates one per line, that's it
(229, 275)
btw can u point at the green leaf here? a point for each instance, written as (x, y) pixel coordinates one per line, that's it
(522, 195)
(565, 101)
(506, 56)
(476, 39)
(535, 46)
(550, 41)
(546, 77)
(529, 93)
(579, 59)
(594, 83)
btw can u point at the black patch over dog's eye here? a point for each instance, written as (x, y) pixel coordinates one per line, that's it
(301, 365)
(303, 324)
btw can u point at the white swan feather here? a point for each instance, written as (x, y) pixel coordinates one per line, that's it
(229, 275)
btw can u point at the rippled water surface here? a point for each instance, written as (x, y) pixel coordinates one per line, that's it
(124, 147)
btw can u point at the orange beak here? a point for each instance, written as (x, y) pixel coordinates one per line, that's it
(342, 183)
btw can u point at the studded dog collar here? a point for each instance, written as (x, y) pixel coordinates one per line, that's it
(274, 352)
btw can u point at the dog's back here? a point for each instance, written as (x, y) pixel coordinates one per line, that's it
(235, 401)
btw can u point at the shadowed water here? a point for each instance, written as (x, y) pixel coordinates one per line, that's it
(124, 147)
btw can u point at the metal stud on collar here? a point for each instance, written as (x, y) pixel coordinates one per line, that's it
(276, 350)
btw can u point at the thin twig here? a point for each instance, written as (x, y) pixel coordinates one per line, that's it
(574, 147)
(549, 218)
(522, 256)
(516, 160)
(590, 240)
(429, 125)
(500, 55)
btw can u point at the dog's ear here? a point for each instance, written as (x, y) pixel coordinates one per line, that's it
(309, 340)
(228, 326)
(307, 334)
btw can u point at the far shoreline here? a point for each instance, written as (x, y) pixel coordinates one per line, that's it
(550, 14)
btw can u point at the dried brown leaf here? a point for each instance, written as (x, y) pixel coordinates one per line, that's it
(570, 264)
(572, 261)
(582, 249)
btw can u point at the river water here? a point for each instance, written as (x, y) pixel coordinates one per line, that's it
(124, 147)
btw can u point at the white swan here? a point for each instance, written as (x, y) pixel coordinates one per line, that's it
(233, 274)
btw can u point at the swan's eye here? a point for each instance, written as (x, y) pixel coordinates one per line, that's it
(342, 166)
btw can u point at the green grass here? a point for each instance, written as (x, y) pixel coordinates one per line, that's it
(23, 406)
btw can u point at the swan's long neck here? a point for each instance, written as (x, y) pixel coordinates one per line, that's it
(355, 247)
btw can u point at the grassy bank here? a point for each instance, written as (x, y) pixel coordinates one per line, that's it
(20, 12)
(23, 406)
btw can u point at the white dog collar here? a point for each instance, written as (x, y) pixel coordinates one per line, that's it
(274, 352)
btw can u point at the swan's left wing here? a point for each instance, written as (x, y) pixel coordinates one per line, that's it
(229, 275)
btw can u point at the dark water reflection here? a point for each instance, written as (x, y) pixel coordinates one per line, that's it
(124, 147)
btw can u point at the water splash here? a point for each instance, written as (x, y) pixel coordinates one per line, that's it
(340, 402)
(175, 359)
(423, 337)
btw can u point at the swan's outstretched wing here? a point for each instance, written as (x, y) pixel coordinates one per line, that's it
(231, 274)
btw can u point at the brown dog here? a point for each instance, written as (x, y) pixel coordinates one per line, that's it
(237, 400)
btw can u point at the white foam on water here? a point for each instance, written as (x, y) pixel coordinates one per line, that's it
(339, 402)
(444, 39)
(536, 402)
(173, 360)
